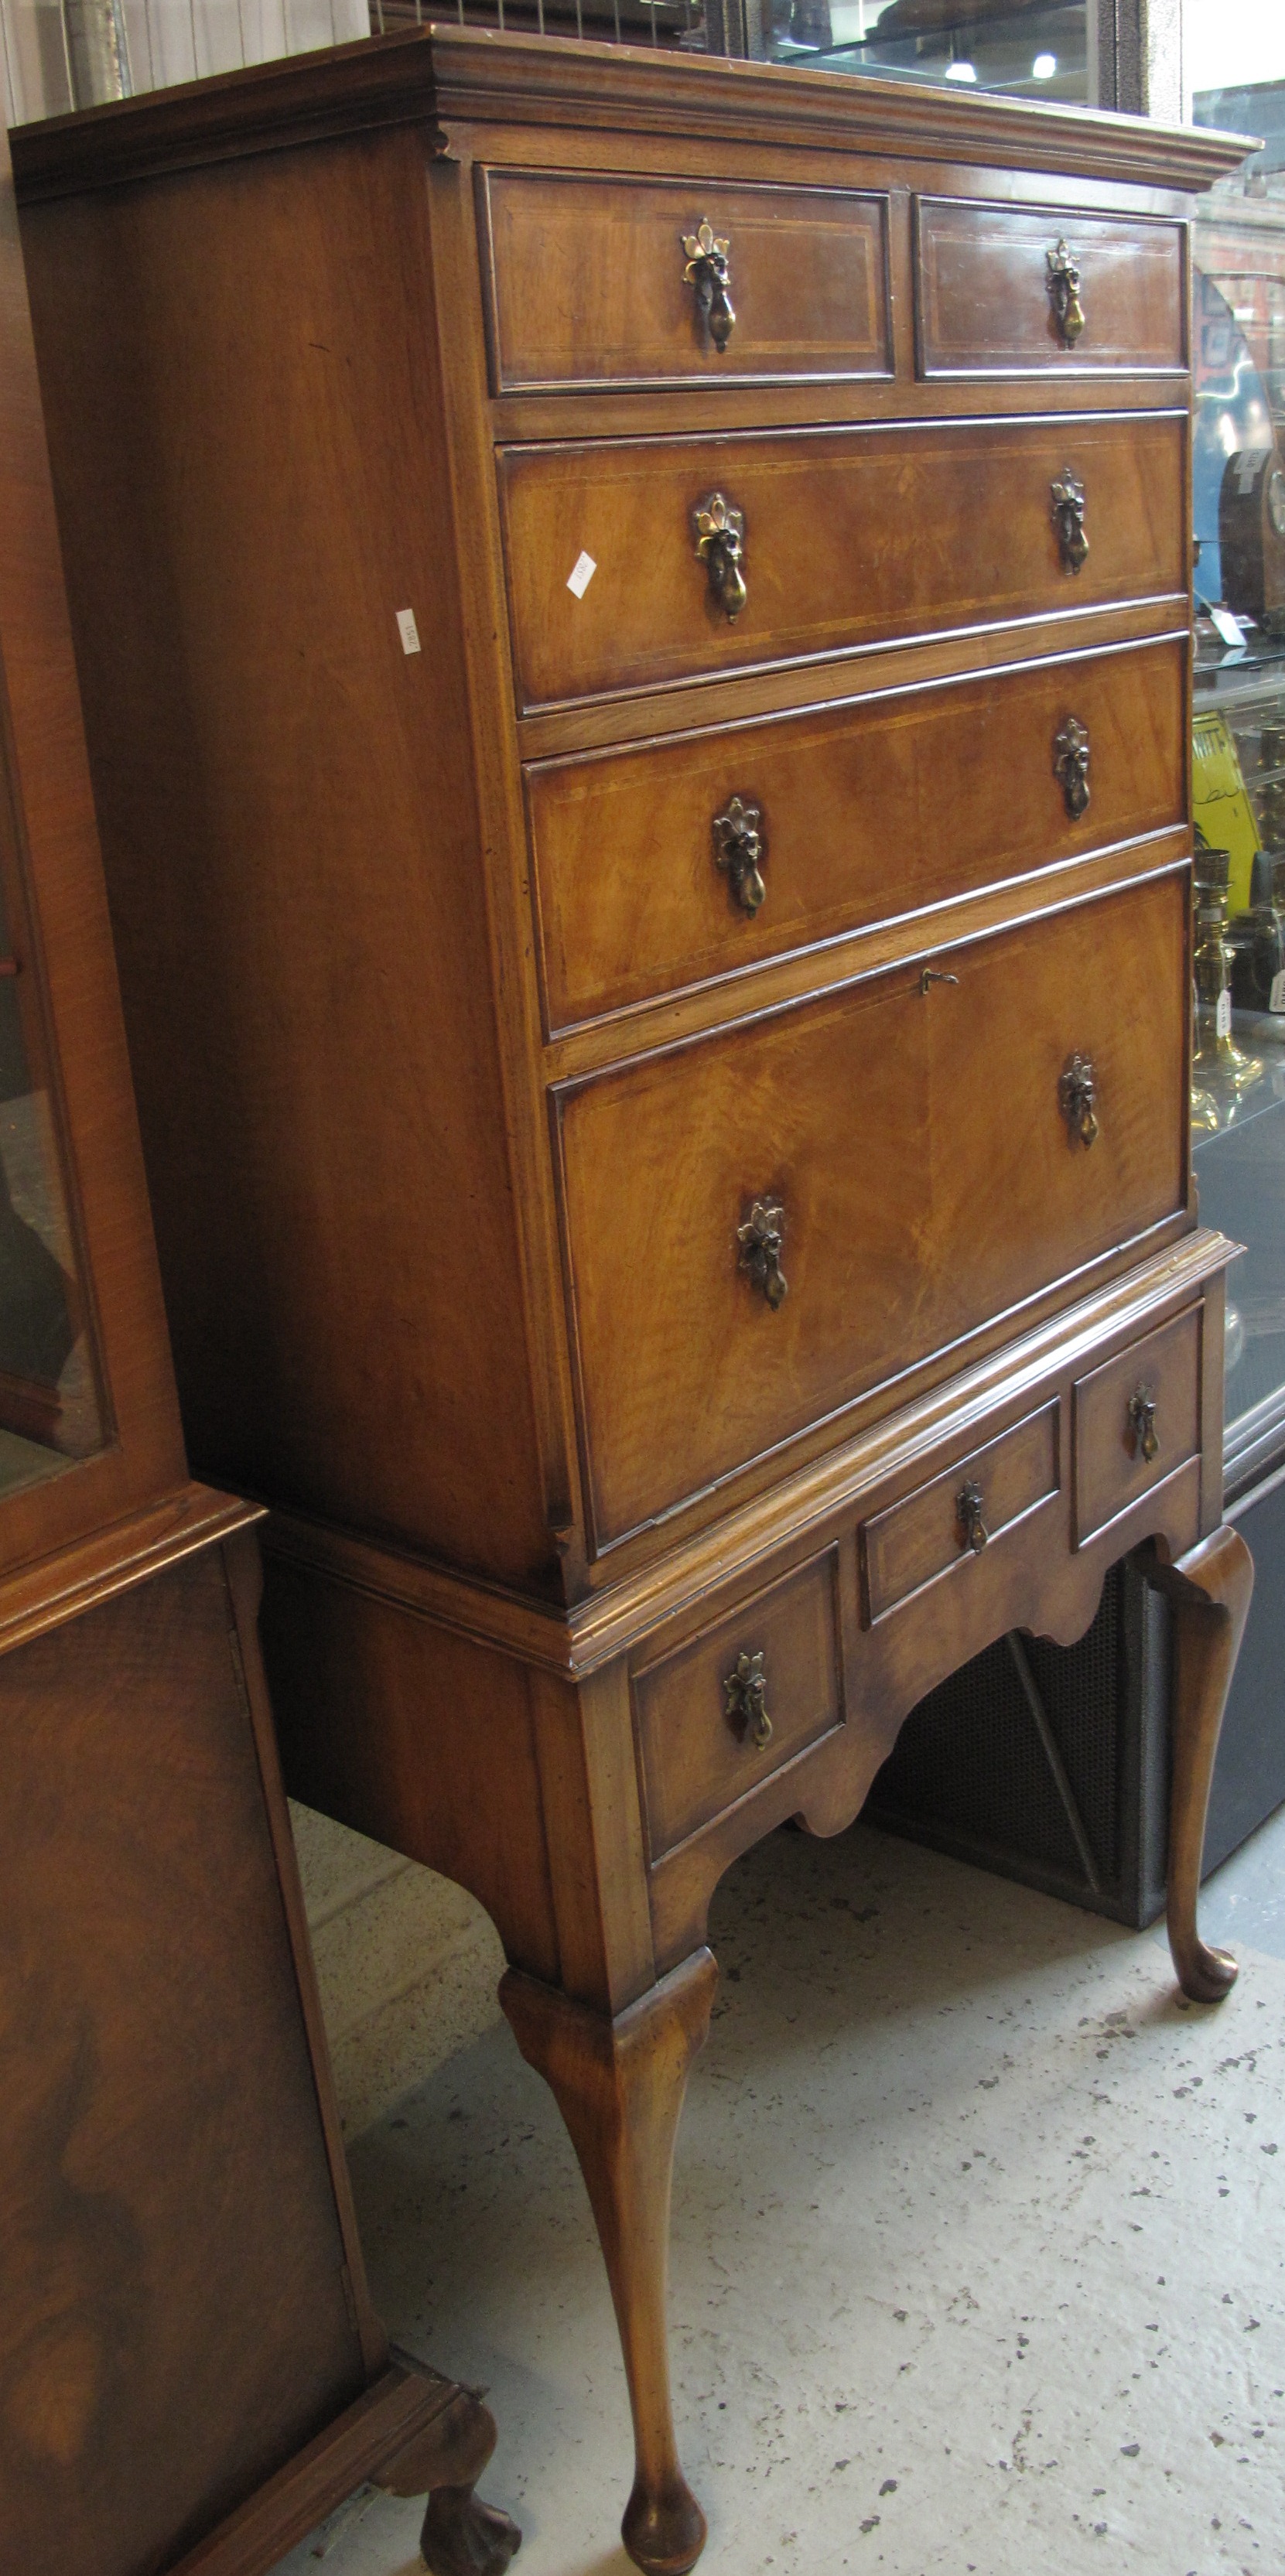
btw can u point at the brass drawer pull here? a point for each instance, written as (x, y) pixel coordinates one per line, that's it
(709, 273)
(760, 1239)
(1078, 1099)
(720, 544)
(745, 1700)
(1071, 765)
(1068, 519)
(930, 975)
(1142, 1424)
(970, 1505)
(1064, 292)
(740, 847)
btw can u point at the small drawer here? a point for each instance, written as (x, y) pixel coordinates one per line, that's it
(722, 1714)
(1137, 1420)
(1001, 290)
(611, 281)
(704, 555)
(682, 861)
(945, 1525)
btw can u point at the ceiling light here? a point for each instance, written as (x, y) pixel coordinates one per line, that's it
(1044, 67)
(961, 71)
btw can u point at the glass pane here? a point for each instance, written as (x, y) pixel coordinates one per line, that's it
(1029, 52)
(1238, 773)
(49, 1406)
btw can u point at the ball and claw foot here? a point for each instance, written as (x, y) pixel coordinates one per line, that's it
(464, 2537)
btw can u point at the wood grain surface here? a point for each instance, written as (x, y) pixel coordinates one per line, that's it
(587, 281)
(870, 811)
(851, 537)
(927, 1175)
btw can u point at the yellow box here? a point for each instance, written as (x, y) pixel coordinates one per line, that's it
(1220, 802)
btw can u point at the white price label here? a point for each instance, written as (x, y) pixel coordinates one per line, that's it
(581, 574)
(1223, 1020)
(1227, 627)
(1276, 998)
(408, 630)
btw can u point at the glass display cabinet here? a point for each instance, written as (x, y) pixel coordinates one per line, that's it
(191, 2373)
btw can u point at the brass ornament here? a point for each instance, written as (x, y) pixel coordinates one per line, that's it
(1071, 765)
(1068, 519)
(970, 1511)
(708, 272)
(740, 847)
(760, 1239)
(1064, 292)
(1078, 1100)
(745, 1700)
(720, 544)
(1142, 1424)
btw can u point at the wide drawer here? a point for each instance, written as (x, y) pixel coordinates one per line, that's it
(646, 879)
(1137, 1420)
(1001, 290)
(953, 1519)
(727, 1710)
(850, 537)
(602, 280)
(925, 1152)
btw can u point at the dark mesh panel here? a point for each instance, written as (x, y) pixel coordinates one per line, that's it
(969, 1765)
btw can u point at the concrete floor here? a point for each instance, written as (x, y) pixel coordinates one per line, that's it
(979, 2246)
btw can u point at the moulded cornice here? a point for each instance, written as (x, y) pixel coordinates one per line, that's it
(442, 76)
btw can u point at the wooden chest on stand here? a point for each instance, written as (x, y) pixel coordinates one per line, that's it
(634, 617)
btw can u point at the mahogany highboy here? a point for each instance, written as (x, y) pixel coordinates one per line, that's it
(664, 1082)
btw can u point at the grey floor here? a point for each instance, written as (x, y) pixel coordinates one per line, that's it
(1245, 1899)
(979, 2248)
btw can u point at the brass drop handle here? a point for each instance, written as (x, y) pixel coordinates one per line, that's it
(740, 847)
(1071, 765)
(1142, 1424)
(760, 1239)
(1078, 1099)
(1064, 292)
(970, 1507)
(930, 975)
(1068, 519)
(720, 544)
(745, 1700)
(708, 271)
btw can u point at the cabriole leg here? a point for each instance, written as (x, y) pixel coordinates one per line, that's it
(1210, 1590)
(619, 2086)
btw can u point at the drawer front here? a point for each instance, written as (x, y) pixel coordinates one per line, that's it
(950, 1521)
(591, 282)
(996, 291)
(1137, 1420)
(723, 1713)
(929, 1178)
(851, 537)
(647, 879)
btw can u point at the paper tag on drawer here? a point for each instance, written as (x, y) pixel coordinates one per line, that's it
(1276, 997)
(581, 574)
(1222, 1017)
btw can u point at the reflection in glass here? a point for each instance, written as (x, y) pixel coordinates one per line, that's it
(49, 1411)
(1029, 48)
